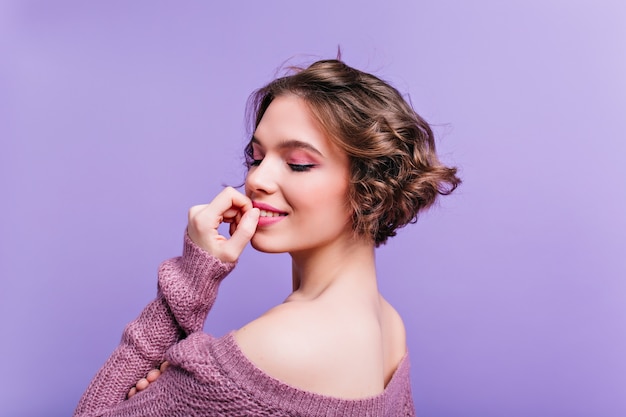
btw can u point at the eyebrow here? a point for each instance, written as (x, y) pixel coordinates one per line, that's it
(292, 144)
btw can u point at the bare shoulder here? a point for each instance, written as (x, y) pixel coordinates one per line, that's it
(283, 333)
(394, 337)
(317, 348)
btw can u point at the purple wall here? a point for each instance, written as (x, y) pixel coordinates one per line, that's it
(115, 117)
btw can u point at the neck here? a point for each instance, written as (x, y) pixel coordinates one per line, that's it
(341, 262)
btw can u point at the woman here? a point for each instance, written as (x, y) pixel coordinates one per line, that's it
(337, 162)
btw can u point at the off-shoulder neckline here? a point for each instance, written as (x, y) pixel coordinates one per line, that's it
(279, 394)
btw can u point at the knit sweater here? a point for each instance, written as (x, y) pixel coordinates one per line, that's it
(209, 376)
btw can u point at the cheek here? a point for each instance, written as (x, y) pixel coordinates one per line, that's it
(246, 188)
(330, 197)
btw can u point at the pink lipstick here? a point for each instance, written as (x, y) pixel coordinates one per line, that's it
(269, 214)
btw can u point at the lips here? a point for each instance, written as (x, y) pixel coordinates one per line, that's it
(265, 213)
(269, 214)
(267, 210)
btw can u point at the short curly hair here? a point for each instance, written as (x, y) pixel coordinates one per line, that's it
(394, 169)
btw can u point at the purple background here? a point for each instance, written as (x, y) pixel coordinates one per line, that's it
(115, 117)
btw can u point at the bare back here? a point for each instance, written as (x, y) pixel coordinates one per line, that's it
(337, 345)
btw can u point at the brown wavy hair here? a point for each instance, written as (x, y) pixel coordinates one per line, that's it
(395, 171)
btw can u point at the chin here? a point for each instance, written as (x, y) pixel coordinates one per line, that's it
(266, 247)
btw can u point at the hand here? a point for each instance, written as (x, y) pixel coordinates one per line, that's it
(229, 206)
(152, 376)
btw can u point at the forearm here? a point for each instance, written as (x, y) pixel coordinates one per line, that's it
(143, 346)
(162, 399)
(187, 290)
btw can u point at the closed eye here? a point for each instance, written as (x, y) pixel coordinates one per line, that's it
(301, 167)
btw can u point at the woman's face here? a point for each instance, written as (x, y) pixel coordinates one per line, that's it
(298, 179)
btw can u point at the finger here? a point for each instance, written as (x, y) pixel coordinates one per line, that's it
(229, 198)
(193, 211)
(142, 384)
(132, 392)
(235, 222)
(224, 207)
(203, 217)
(242, 234)
(231, 214)
(153, 375)
(164, 366)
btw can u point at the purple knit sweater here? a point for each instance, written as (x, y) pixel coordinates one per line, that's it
(209, 376)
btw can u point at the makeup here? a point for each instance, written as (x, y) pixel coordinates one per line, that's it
(269, 214)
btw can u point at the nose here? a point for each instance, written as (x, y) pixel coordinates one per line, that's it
(261, 179)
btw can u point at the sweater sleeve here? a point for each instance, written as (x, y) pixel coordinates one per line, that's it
(409, 407)
(187, 288)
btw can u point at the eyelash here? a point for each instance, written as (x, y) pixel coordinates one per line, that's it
(301, 167)
(293, 167)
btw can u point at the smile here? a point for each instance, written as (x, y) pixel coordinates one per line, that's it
(267, 210)
(269, 218)
(267, 213)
